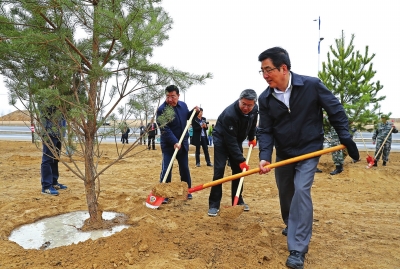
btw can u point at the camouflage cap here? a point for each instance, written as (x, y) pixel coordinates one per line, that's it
(384, 116)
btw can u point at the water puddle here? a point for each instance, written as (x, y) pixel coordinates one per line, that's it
(61, 230)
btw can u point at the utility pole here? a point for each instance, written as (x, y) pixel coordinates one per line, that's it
(319, 39)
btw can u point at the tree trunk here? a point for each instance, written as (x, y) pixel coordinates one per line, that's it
(95, 212)
(90, 171)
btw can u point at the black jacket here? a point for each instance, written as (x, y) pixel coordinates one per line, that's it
(196, 138)
(298, 130)
(233, 127)
(150, 131)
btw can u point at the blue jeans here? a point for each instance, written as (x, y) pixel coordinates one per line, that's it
(49, 166)
(210, 140)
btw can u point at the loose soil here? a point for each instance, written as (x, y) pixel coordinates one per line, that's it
(356, 216)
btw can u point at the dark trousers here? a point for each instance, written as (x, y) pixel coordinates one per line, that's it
(204, 145)
(49, 166)
(142, 139)
(151, 140)
(220, 156)
(183, 163)
(294, 182)
(124, 138)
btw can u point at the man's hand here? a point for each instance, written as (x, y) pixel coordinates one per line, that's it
(373, 142)
(177, 146)
(351, 148)
(244, 165)
(253, 142)
(263, 169)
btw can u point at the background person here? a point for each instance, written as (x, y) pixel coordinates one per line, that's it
(337, 156)
(199, 139)
(236, 123)
(190, 133)
(291, 120)
(151, 134)
(170, 135)
(124, 133)
(142, 131)
(381, 132)
(53, 124)
(210, 138)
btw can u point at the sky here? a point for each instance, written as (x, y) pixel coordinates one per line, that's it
(225, 38)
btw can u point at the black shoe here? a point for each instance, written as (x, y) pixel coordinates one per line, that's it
(284, 231)
(209, 164)
(154, 149)
(198, 164)
(375, 163)
(318, 170)
(338, 170)
(295, 260)
(356, 161)
(384, 163)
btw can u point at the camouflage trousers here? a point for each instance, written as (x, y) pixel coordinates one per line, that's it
(338, 156)
(385, 151)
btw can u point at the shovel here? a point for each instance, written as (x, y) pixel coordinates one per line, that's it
(239, 188)
(158, 200)
(151, 199)
(369, 157)
(371, 161)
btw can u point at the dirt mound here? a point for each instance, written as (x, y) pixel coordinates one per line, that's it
(356, 216)
(16, 116)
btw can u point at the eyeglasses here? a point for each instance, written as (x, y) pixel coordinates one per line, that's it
(171, 96)
(266, 70)
(247, 105)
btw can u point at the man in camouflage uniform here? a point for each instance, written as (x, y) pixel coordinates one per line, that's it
(337, 156)
(381, 132)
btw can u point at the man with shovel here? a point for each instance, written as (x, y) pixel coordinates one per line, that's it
(383, 131)
(291, 119)
(171, 134)
(236, 123)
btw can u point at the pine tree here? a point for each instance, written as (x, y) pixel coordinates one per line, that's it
(84, 58)
(349, 75)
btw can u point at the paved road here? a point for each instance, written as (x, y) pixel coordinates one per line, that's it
(23, 133)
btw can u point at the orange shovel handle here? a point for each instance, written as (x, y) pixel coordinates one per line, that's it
(272, 165)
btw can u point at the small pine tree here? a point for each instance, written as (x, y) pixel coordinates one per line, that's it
(349, 75)
(84, 58)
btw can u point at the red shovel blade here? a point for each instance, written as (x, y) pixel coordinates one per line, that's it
(370, 159)
(153, 201)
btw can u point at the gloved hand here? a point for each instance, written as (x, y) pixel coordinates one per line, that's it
(351, 148)
(253, 142)
(244, 165)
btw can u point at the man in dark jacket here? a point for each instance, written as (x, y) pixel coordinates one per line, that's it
(170, 135)
(291, 119)
(151, 134)
(54, 126)
(200, 139)
(236, 123)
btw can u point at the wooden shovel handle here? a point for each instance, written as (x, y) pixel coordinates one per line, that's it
(272, 165)
(239, 188)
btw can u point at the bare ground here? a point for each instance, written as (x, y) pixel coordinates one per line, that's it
(356, 217)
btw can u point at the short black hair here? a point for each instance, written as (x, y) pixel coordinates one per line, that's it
(172, 88)
(277, 55)
(200, 109)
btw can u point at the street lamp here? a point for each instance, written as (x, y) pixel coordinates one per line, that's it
(319, 38)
